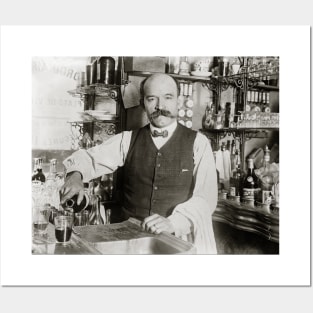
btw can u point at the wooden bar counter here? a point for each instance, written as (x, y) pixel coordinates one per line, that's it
(241, 229)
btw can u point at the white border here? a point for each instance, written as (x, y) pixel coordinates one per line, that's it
(20, 43)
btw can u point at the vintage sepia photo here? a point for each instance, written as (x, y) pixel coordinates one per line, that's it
(155, 155)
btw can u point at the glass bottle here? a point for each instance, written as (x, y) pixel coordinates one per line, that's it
(209, 116)
(53, 170)
(100, 190)
(88, 74)
(233, 156)
(236, 178)
(173, 64)
(266, 178)
(184, 66)
(38, 175)
(95, 216)
(181, 97)
(225, 66)
(226, 166)
(275, 72)
(250, 185)
(94, 70)
(72, 203)
(249, 100)
(235, 66)
(107, 70)
(51, 191)
(219, 187)
(266, 107)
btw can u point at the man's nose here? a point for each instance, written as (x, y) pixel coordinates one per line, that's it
(159, 104)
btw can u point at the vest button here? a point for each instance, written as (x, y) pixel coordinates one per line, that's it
(159, 153)
(158, 165)
(155, 187)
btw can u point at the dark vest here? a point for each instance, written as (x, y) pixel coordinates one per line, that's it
(155, 181)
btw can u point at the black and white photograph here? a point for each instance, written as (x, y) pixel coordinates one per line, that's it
(155, 155)
(131, 156)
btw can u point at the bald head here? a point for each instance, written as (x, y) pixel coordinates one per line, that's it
(158, 79)
(160, 98)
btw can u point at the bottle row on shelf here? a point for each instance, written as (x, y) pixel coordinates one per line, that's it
(257, 187)
(263, 68)
(253, 118)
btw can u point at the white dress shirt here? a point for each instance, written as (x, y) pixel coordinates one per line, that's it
(192, 220)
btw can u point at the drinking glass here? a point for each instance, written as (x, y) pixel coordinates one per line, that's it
(41, 214)
(63, 228)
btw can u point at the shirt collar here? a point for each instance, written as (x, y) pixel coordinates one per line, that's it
(170, 128)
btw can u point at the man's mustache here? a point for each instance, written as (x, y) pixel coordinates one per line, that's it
(159, 112)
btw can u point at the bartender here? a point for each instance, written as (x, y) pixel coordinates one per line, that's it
(169, 170)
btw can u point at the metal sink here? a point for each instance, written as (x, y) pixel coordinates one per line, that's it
(147, 245)
(128, 238)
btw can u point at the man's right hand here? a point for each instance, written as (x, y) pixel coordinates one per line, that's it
(73, 185)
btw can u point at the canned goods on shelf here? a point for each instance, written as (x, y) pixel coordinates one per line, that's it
(189, 103)
(188, 124)
(181, 113)
(189, 113)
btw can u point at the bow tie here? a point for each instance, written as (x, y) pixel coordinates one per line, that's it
(164, 133)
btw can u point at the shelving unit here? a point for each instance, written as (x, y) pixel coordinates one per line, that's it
(107, 126)
(113, 124)
(243, 81)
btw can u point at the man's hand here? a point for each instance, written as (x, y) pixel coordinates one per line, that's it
(73, 185)
(156, 224)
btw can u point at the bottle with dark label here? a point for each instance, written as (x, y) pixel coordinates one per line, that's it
(38, 175)
(107, 70)
(250, 185)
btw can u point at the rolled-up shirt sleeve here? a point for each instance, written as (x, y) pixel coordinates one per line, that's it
(101, 159)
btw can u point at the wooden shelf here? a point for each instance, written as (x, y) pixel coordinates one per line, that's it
(176, 76)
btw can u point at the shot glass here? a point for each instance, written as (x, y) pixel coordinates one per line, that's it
(70, 212)
(78, 219)
(63, 228)
(85, 218)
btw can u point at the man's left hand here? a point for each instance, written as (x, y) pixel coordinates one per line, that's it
(156, 224)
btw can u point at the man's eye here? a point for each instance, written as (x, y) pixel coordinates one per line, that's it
(169, 98)
(151, 99)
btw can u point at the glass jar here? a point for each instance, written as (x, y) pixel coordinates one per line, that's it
(107, 70)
